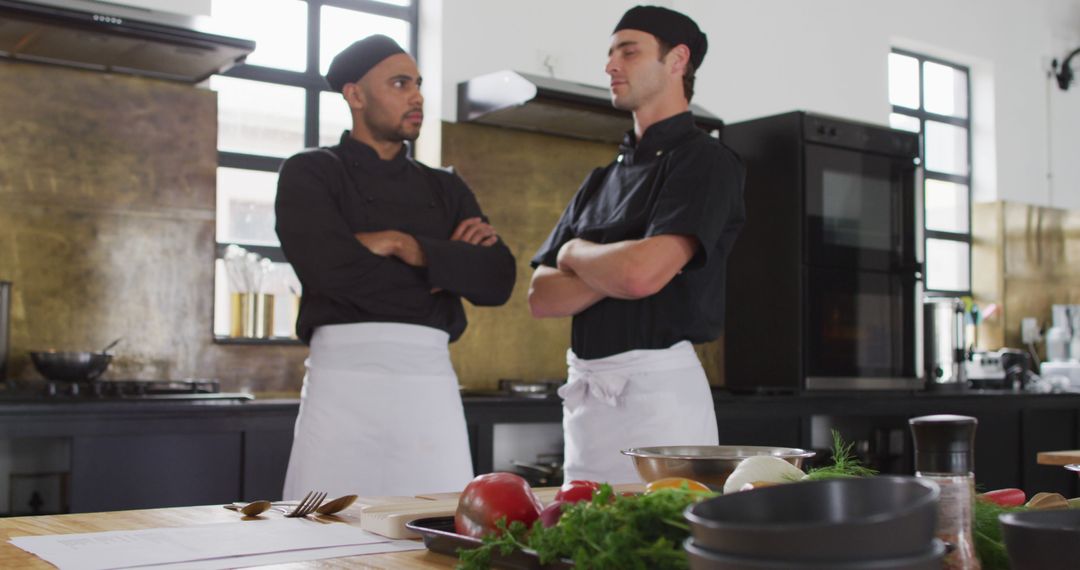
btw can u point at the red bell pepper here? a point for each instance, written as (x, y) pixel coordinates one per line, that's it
(1005, 497)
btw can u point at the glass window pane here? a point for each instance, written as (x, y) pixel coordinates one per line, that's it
(334, 117)
(903, 81)
(245, 206)
(944, 90)
(342, 27)
(905, 122)
(947, 265)
(946, 206)
(279, 28)
(946, 148)
(259, 118)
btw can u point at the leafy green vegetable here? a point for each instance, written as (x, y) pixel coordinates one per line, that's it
(986, 530)
(845, 464)
(609, 532)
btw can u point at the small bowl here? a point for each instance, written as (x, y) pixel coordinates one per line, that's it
(709, 464)
(705, 559)
(837, 520)
(71, 366)
(1043, 540)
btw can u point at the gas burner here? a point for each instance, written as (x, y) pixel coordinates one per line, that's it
(103, 390)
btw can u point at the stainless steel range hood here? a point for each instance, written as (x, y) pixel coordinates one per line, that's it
(111, 37)
(530, 102)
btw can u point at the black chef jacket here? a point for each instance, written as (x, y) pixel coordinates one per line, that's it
(328, 194)
(677, 180)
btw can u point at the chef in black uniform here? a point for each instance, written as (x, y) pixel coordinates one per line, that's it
(385, 248)
(638, 260)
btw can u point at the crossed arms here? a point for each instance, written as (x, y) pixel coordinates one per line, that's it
(588, 272)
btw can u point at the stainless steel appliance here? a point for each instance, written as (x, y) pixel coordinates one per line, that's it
(5, 327)
(824, 282)
(108, 36)
(944, 348)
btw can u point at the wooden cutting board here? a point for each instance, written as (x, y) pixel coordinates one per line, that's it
(1058, 457)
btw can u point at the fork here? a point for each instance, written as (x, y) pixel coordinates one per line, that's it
(307, 505)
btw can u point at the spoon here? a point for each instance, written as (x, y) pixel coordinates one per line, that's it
(1073, 467)
(254, 508)
(336, 505)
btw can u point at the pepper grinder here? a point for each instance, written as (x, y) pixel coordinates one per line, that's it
(945, 454)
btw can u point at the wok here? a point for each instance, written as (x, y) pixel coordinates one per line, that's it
(72, 366)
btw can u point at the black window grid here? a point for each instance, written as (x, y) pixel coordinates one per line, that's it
(923, 116)
(313, 83)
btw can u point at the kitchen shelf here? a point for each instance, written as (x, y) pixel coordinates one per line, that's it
(277, 341)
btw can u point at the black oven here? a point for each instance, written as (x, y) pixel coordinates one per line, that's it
(824, 281)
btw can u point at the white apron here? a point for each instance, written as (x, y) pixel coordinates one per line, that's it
(638, 398)
(380, 414)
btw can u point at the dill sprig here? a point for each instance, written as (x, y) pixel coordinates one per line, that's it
(845, 464)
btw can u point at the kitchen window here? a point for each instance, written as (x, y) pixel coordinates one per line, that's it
(269, 108)
(931, 96)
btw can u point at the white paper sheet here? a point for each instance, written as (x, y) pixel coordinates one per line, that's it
(215, 545)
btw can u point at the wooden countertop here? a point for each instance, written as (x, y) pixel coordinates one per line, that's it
(13, 557)
(1058, 457)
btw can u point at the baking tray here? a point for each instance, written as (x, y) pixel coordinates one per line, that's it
(439, 536)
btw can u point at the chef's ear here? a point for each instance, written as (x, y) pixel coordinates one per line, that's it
(354, 95)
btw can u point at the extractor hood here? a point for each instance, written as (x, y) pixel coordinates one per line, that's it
(531, 102)
(112, 37)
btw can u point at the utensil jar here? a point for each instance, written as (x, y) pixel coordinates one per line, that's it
(251, 315)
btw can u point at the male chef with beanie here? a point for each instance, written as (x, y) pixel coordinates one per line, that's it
(638, 260)
(385, 248)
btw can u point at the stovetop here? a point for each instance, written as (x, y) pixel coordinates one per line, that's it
(116, 390)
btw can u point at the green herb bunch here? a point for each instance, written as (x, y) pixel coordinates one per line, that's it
(986, 530)
(845, 464)
(609, 532)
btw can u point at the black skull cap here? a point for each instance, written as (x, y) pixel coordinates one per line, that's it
(356, 60)
(669, 26)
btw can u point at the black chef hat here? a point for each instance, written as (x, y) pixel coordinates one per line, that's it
(668, 25)
(356, 60)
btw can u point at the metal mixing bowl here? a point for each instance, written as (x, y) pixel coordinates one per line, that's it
(71, 366)
(709, 464)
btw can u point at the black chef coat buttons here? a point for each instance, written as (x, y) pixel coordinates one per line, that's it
(659, 152)
(356, 163)
(431, 204)
(619, 158)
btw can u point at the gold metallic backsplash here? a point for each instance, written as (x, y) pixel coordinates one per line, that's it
(1026, 259)
(107, 226)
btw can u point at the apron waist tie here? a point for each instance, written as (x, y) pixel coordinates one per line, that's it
(606, 388)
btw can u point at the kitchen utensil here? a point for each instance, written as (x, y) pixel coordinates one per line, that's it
(336, 505)
(110, 345)
(839, 520)
(255, 508)
(1042, 540)
(70, 366)
(704, 559)
(439, 536)
(1073, 467)
(307, 505)
(709, 464)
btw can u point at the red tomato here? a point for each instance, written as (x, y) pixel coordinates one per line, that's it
(576, 490)
(1005, 497)
(492, 497)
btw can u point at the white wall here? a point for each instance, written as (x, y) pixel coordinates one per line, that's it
(770, 56)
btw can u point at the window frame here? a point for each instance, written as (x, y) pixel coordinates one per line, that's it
(312, 82)
(922, 115)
